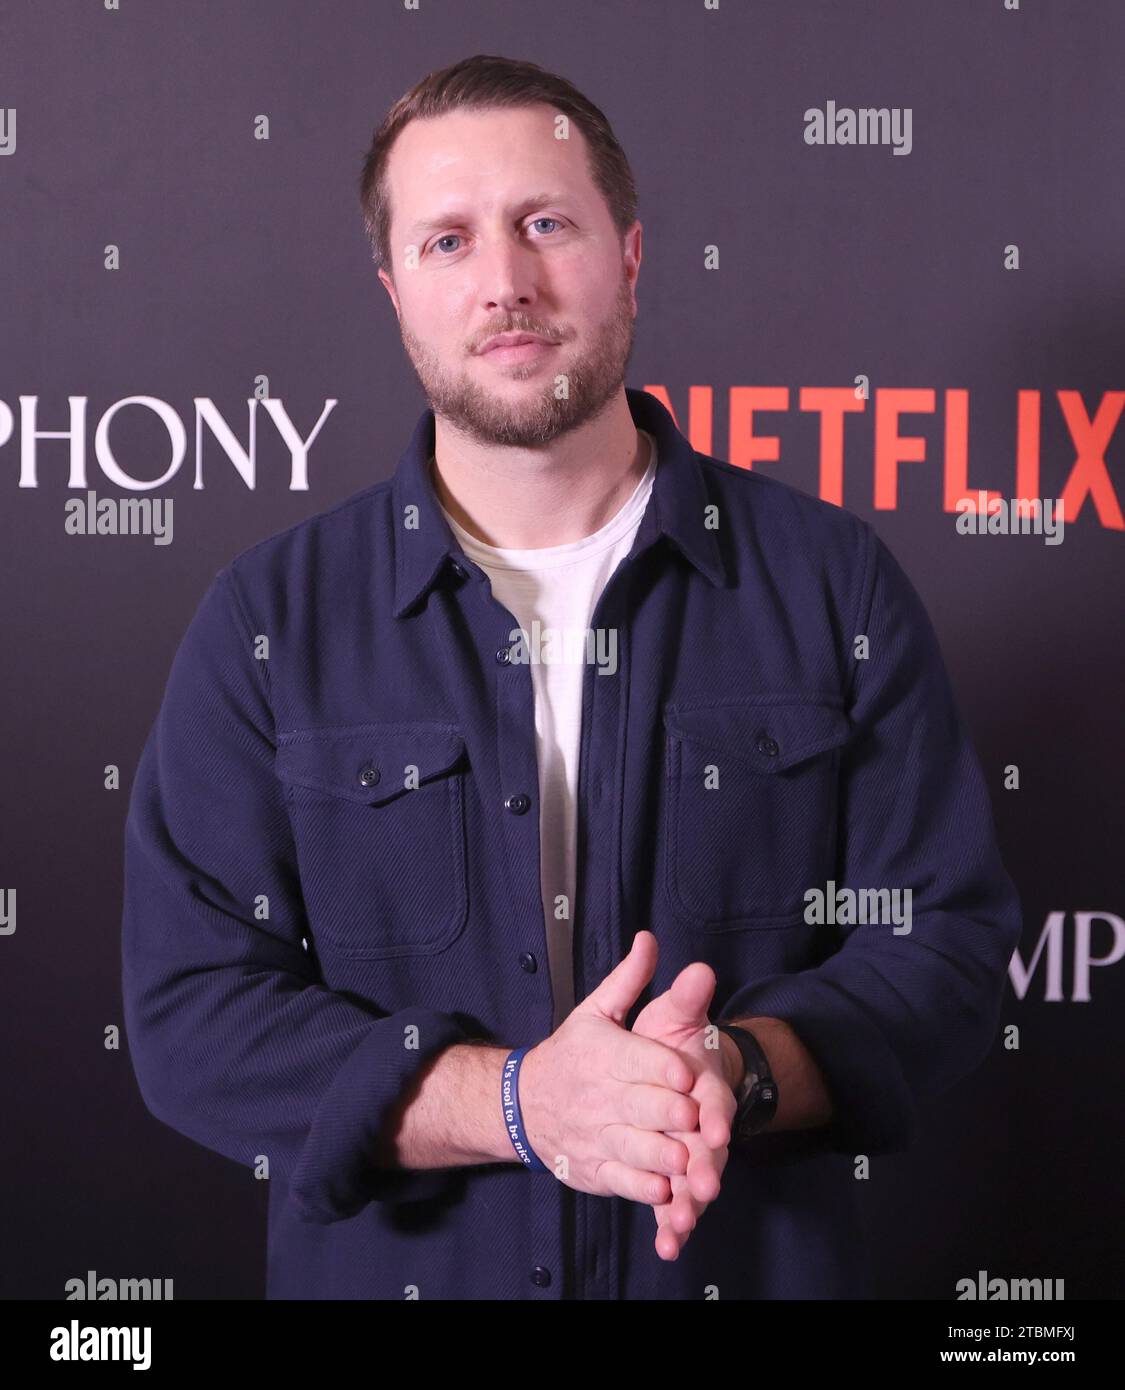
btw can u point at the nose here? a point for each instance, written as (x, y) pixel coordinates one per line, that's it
(508, 275)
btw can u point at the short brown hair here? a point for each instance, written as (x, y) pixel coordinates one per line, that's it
(484, 82)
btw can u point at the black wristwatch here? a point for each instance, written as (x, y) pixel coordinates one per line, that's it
(757, 1094)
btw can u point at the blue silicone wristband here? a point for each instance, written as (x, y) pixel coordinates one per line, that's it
(510, 1101)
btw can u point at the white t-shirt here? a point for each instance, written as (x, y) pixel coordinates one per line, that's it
(552, 591)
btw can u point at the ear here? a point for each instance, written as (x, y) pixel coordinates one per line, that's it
(389, 286)
(632, 259)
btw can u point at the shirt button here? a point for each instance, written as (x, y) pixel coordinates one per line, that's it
(518, 804)
(457, 570)
(540, 1276)
(368, 776)
(768, 746)
(504, 655)
(529, 963)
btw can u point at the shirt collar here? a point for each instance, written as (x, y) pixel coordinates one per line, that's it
(426, 549)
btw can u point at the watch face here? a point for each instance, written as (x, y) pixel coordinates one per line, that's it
(756, 1109)
(756, 1097)
(746, 1101)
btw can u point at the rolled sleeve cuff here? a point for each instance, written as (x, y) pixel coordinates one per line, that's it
(873, 1110)
(336, 1174)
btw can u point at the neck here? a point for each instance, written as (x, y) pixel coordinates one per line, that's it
(527, 499)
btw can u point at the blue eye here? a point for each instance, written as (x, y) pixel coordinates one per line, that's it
(455, 236)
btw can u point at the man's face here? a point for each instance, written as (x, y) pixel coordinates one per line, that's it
(511, 235)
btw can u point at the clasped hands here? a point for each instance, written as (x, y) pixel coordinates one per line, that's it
(643, 1113)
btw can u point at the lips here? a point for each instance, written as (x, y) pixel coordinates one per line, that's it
(511, 340)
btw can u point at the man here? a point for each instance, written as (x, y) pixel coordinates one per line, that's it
(422, 893)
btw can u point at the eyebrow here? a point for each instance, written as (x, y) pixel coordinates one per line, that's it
(454, 215)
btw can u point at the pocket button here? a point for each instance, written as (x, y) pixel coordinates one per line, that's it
(382, 861)
(751, 807)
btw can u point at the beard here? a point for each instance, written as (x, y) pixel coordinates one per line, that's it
(470, 406)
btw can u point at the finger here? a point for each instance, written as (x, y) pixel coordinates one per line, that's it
(668, 1241)
(675, 1221)
(632, 1183)
(639, 1061)
(683, 1214)
(705, 1170)
(622, 987)
(658, 1108)
(646, 1150)
(703, 1175)
(717, 1107)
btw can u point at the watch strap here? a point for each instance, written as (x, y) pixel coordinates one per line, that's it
(758, 1093)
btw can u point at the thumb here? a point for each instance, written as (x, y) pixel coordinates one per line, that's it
(687, 1002)
(620, 989)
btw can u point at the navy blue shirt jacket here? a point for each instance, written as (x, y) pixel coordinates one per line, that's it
(302, 933)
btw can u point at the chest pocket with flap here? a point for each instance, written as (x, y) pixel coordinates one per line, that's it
(750, 808)
(378, 818)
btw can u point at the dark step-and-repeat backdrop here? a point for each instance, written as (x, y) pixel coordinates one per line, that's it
(883, 261)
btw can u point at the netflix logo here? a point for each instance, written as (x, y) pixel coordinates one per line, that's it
(1088, 492)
